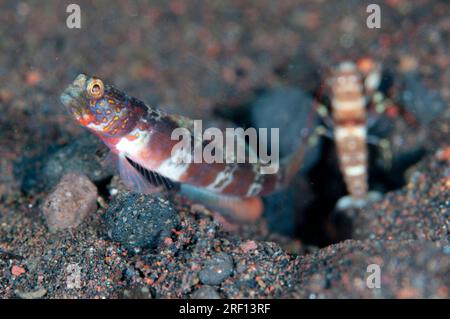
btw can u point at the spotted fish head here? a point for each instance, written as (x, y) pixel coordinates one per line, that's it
(100, 107)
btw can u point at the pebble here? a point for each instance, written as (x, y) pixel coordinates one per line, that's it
(33, 77)
(36, 294)
(138, 292)
(17, 270)
(215, 270)
(443, 154)
(249, 245)
(140, 221)
(72, 200)
(205, 292)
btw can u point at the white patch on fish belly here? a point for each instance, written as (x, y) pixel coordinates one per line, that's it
(135, 146)
(176, 165)
(97, 127)
(355, 170)
(223, 179)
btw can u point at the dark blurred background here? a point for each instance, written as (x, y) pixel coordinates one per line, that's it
(194, 56)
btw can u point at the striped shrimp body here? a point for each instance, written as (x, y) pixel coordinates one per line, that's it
(350, 85)
(348, 108)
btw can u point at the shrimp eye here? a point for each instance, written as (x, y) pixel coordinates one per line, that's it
(95, 88)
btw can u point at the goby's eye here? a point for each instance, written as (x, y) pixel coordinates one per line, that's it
(95, 88)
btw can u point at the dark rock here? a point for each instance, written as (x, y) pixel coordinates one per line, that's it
(279, 211)
(215, 270)
(288, 109)
(424, 103)
(140, 221)
(304, 70)
(205, 292)
(407, 145)
(74, 198)
(28, 172)
(84, 155)
(285, 210)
